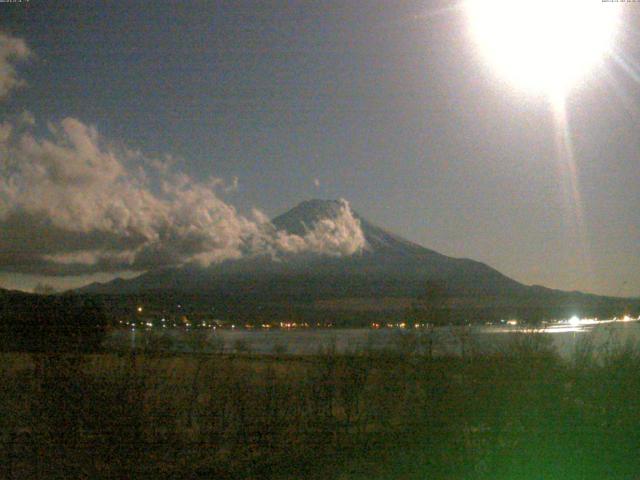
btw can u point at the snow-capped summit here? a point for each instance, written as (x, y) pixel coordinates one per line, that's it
(304, 215)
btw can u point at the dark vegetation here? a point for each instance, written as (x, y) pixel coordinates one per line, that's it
(51, 323)
(518, 413)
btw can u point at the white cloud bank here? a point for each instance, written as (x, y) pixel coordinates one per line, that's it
(72, 204)
(11, 50)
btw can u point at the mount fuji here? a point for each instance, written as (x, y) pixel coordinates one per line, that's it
(389, 273)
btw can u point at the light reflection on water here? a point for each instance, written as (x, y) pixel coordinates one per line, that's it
(571, 325)
(565, 336)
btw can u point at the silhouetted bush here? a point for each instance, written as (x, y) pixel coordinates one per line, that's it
(52, 323)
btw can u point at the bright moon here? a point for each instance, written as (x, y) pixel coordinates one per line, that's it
(543, 46)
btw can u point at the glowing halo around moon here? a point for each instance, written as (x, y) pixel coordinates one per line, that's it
(543, 46)
(546, 48)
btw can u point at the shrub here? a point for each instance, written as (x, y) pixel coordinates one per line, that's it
(49, 324)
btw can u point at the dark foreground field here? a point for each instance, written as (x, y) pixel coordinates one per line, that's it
(520, 414)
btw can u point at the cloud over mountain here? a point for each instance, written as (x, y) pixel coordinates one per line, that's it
(71, 203)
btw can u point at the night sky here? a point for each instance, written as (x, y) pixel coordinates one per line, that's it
(386, 104)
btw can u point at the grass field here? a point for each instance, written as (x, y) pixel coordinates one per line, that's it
(524, 413)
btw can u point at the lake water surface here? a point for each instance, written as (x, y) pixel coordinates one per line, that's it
(565, 336)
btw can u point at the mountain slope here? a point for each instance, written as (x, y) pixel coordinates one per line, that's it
(388, 265)
(390, 271)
